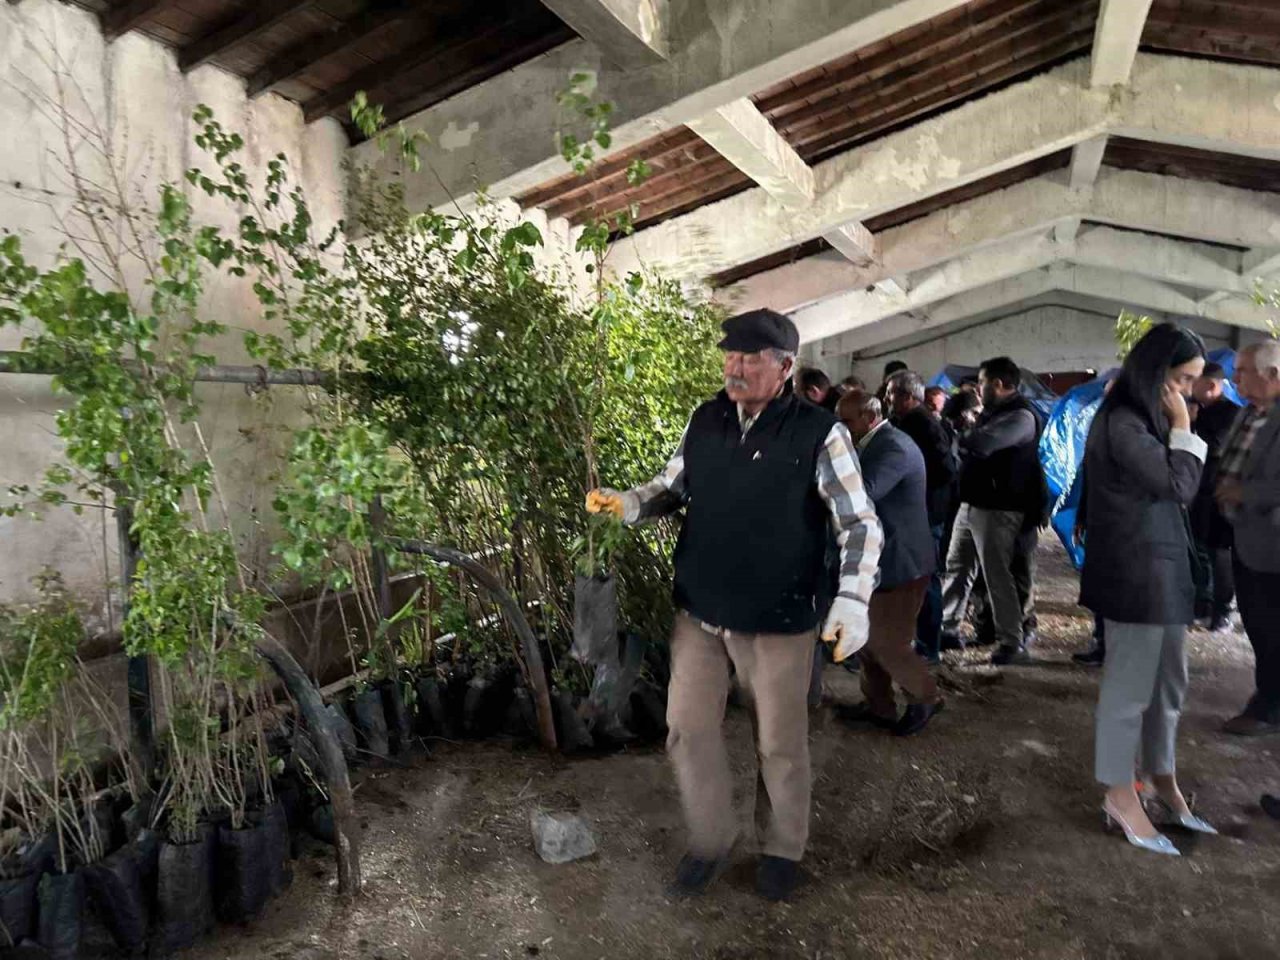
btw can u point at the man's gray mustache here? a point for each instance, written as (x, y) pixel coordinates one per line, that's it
(737, 382)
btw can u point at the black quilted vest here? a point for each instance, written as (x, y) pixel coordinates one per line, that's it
(751, 551)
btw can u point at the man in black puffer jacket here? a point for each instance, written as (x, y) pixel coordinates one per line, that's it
(1001, 493)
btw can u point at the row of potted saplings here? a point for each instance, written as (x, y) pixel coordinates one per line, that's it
(87, 869)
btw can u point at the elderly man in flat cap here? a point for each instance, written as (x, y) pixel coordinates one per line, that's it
(765, 479)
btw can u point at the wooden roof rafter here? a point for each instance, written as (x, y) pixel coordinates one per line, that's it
(299, 58)
(258, 20)
(120, 19)
(450, 59)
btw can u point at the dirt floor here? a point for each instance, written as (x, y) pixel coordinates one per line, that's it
(980, 838)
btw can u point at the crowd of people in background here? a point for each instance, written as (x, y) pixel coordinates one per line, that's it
(1179, 520)
(966, 546)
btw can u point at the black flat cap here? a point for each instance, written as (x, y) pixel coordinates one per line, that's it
(759, 330)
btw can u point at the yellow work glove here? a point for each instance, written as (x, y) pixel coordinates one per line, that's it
(605, 501)
(846, 627)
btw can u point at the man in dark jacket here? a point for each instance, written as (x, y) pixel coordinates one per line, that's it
(893, 474)
(905, 395)
(1001, 491)
(1212, 532)
(764, 478)
(1248, 492)
(815, 386)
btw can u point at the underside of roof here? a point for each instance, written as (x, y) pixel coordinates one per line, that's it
(765, 184)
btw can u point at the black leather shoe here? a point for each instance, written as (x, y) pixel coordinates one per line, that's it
(915, 718)
(1220, 624)
(1247, 725)
(694, 875)
(1270, 806)
(1093, 657)
(861, 713)
(1011, 657)
(949, 640)
(777, 878)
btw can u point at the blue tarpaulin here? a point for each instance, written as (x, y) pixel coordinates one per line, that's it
(1062, 447)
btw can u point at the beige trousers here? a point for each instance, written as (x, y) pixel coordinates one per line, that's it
(773, 671)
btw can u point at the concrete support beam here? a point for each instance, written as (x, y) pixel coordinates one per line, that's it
(1158, 258)
(1146, 262)
(1206, 104)
(859, 308)
(1086, 161)
(1137, 201)
(1039, 116)
(965, 144)
(855, 242)
(1261, 262)
(1115, 41)
(630, 33)
(1092, 282)
(498, 133)
(1064, 231)
(743, 135)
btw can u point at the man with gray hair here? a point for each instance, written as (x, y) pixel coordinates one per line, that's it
(765, 479)
(893, 474)
(1248, 492)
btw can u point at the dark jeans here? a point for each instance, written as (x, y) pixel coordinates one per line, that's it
(929, 622)
(1215, 599)
(1258, 595)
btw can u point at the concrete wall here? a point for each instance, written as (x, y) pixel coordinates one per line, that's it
(1045, 338)
(129, 99)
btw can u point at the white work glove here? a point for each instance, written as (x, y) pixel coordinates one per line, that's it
(846, 627)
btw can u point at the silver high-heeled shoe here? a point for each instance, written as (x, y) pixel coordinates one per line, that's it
(1157, 844)
(1187, 821)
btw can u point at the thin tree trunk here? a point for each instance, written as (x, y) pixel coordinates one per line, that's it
(346, 828)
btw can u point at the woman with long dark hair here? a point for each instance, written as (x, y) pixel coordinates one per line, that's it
(1142, 470)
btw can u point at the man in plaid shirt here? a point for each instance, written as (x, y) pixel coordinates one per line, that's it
(765, 479)
(1248, 492)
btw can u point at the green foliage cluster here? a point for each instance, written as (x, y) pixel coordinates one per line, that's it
(132, 442)
(469, 398)
(1130, 328)
(49, 747)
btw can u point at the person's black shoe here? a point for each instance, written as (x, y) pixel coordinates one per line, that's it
(1270, 806)
(982, 640)
(694, 875)
(949, 640)
(1011, 657)
(1093, 657)
(1220, 624)
(915, 718)
(861, 713)
(777, 878)
(1030, 638)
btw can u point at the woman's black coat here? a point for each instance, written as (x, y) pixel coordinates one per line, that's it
(1138, 563)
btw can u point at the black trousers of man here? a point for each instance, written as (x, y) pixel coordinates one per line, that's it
(1258, 595)
(1216, 595)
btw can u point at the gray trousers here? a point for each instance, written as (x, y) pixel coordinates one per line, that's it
(1144, 682)
(990, 537)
